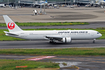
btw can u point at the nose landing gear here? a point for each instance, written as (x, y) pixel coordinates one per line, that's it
(94, 40)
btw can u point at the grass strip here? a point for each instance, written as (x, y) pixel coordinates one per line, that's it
(11, 64)
(67, 51)
(46, 69)
(48, 24)
(3, 37)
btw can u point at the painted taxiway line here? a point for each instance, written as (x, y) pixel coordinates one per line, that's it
(39, 58)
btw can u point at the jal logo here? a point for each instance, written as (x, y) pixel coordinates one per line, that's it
(11, 25)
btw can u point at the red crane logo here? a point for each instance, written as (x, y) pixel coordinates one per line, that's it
(11, 25)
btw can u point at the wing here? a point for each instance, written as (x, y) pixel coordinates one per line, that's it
(54, 37)
(59, 38)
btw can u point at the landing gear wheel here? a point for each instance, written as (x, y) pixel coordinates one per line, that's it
(51, 42)
(94, 40)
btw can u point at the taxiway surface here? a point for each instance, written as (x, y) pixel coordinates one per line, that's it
(47, 45)
(83, 62)
(63, 14)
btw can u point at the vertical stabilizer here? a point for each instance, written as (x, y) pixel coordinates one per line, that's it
(12, 27)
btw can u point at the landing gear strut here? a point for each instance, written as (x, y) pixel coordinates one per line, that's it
(94, 40)
(51, 41)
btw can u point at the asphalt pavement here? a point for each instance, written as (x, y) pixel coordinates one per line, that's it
(83, 62)
(63, 14)
(46, 45)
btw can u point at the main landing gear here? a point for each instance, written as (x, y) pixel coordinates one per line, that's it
(51, 41)
(94, 40)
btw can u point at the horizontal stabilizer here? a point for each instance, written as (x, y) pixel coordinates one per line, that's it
(10, 34)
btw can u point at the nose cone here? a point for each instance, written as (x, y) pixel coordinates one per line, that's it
(100, 34)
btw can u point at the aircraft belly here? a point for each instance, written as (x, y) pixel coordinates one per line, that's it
(33, 37)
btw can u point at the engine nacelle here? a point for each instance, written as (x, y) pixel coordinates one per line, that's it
(66, 40)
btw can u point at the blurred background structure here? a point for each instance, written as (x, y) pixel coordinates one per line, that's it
(33, 3)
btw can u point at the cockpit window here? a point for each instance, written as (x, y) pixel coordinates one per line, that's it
(98, 33)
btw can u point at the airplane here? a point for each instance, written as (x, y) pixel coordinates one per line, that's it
(40, 3)
(2, 5)
(63, 36)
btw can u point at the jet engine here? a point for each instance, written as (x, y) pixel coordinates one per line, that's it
(66, 40)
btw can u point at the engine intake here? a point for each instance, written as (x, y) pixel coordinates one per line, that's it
(66, 40)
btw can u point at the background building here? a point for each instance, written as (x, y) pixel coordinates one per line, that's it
(30, 2)
(54, 1)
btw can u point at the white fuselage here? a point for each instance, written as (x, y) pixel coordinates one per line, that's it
(73, 34)
(65, 36)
